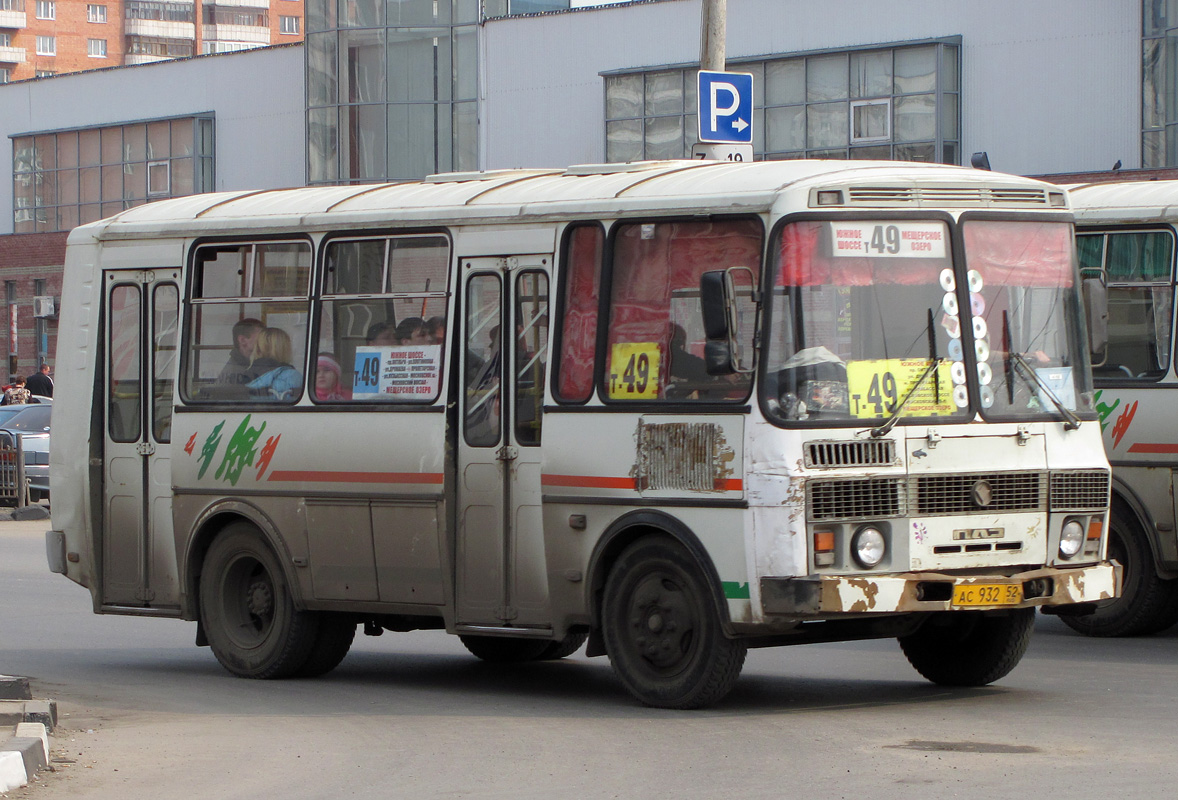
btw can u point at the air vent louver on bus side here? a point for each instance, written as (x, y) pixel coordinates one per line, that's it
(947, 196)
(826, 455)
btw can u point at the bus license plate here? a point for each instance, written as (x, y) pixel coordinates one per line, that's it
(988, 594)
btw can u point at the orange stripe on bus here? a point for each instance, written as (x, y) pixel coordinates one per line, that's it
(315, 476)
(1142, 447)
(587, 481)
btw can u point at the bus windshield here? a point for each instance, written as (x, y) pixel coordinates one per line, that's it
(1027, 324)
(870, 320)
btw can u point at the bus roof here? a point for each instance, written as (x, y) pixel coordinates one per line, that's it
(1125, 201)
(589, 190)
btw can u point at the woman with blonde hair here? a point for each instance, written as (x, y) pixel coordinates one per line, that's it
(277, 379)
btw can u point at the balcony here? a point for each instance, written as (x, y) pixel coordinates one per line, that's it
(243, 3)
(146, 59)
(160, 29)
(12, 55)
(12, 19)
(252, 34)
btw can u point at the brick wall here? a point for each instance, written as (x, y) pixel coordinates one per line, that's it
(25, 258)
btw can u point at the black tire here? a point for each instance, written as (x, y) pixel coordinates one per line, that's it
(505, 649)
(1147, 603)
(247, 611)
(662, 630)
(969, 648)
(332, 643)
(563, 648)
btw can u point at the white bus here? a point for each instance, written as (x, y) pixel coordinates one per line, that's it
(677, 409)
(1125, 234)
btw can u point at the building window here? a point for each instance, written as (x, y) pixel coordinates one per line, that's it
(288, 24)
(12, 5)
(5, 40)
(95, 13)
(1159, 72)
(4, 75)
(46, 73)
(67, 178)
(96, 48)
(162, 12)
(391, 103)
(220, 15)
(46, 9)
(898, 102)
(46, 45)
(155, 46)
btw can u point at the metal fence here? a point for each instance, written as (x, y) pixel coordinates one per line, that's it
(14, 487)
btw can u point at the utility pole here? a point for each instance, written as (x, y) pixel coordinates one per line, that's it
(713, 34)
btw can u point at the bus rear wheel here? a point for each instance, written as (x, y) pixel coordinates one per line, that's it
(662, 630)
(1147, 604)
(969, 648)
(247, 611)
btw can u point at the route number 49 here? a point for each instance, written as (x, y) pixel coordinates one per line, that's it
(882, 393)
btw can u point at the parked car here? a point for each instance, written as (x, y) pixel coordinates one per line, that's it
(31, 424)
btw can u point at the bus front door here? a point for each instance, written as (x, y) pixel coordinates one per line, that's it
(502, 578)
(137, 548)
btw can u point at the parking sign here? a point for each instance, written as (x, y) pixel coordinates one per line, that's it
(725, 107)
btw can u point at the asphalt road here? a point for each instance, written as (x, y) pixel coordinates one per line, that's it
(146, 714)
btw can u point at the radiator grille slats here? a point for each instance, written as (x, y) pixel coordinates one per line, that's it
(867, 498)
(875, 453)
(1080, 490)
(956, 494)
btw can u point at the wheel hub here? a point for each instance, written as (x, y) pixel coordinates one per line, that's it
(661, 622)
(259, 599)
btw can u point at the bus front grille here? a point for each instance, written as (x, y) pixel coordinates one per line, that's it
(874, 453)
(1079, 490)
(865, 498)
(933, 495)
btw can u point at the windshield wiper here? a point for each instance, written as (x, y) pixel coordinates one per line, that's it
(883, 430)
(1073, 422)
(934, 362)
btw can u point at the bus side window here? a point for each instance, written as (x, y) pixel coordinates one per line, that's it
(578, 320)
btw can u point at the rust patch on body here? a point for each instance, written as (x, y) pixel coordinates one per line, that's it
(685, 456)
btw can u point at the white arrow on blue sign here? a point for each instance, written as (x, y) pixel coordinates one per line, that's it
(725, 106)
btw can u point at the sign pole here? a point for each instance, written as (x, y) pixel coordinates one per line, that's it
(713, 34)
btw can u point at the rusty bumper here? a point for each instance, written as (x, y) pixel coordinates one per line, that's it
(821, 595)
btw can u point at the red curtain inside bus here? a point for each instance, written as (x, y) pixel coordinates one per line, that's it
(1009, 253)
(805, 259)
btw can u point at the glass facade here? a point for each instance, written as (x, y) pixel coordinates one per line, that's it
(897, 102)
(1159, 83)
(391, 89)
(66, 178)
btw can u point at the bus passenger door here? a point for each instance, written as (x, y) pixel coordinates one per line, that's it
(138, 550)
(502, 577)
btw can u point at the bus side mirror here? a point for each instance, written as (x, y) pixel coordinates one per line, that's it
(713, 299)
(1096, 306)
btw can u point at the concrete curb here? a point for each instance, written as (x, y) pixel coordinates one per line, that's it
(24, 733)
(24, 755)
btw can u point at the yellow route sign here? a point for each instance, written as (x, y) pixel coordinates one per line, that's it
(634, 371)
(876, 388)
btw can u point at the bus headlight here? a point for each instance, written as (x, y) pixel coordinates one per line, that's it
(1071, 538)
(868, 546)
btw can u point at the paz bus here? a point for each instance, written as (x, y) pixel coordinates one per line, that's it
(1125, 236)
(671, 409)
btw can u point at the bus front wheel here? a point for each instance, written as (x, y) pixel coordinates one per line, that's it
(969, 648)
(662, 631)
(249, 617)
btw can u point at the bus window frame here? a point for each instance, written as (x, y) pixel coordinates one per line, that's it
(319, 296)
(605, 306)
(189, 303)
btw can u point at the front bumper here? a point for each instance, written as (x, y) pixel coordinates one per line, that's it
(825, 595)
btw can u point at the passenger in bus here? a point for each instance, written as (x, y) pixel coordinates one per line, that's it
(436, 326)
(237, 369)
(329, 384)
(277, 379)
(412, 331)
(685, 366)
(381, 334)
